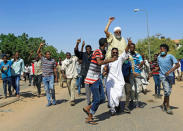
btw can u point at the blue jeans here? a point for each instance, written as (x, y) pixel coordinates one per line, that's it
(48, 82)
(16, 83)
(98, 95)
(79, 84)
(157, 84)
(7, 81)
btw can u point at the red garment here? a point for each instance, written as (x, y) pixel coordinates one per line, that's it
(33, 68)
(154, 65)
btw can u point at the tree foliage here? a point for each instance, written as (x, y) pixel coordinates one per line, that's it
(142, 46)
(24, 44)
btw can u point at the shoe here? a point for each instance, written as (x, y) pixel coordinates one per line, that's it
(72, 103)
(49, 104)
(54, 102)
(113, 113)
(169, 111)
(117, 109)
(127, 110)
(29, 84)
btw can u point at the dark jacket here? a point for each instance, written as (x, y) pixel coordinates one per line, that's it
(86, 58)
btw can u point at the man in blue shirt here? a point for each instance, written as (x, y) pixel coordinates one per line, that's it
(136, 78)
(165, 62)
(5, 67)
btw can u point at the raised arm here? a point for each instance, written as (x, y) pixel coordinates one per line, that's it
(83, 45)
(107, 26)
(129, 44)
(39, 49)
(77, 45)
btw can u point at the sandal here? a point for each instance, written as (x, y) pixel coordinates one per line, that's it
(92, 122)
(86, 111)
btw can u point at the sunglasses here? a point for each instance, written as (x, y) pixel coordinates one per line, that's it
(115, 52)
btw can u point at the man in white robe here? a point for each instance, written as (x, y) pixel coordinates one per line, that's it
(115, 81)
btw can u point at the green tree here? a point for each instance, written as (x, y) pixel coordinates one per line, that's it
(25, 45)
(142, 46)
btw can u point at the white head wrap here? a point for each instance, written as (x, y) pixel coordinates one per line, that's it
(117, 28)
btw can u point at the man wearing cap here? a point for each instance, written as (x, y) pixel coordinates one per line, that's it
(114, 41)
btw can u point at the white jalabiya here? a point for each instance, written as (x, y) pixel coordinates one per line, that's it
(115, 81)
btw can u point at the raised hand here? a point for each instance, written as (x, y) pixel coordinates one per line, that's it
(83, 44)
(111, 19)
(78, 40)
(129, 40)
(41, 44)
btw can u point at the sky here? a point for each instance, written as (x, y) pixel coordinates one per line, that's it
(62, 22)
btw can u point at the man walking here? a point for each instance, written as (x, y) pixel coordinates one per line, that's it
(48, 71)
(166, 67)
(38, 75)
(85, 57)
(155, 73)
(17, 69)
(94, 81)
(5, 67)
(69, 72)
(127, 71)
(136, 78)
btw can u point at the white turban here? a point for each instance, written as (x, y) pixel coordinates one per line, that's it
(117, 28)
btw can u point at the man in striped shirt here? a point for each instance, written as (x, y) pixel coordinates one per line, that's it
(93, 79)
(48, 72)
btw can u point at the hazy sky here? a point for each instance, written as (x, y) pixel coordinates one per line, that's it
(61, 22)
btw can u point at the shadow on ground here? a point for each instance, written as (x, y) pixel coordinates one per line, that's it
(171, 107)
(28, 94)
(77, 101)
(61, 101)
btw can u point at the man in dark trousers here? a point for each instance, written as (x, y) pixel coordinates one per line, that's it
(85, 57)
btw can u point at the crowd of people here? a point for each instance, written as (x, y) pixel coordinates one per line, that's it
(113, 71)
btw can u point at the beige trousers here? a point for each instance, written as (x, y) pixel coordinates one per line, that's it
(71, 83)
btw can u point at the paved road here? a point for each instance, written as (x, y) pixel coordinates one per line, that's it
(31, 114)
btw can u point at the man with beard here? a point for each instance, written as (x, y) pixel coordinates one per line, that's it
(94, 81)
(85, 57)
(114, 41)
(115, 80)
